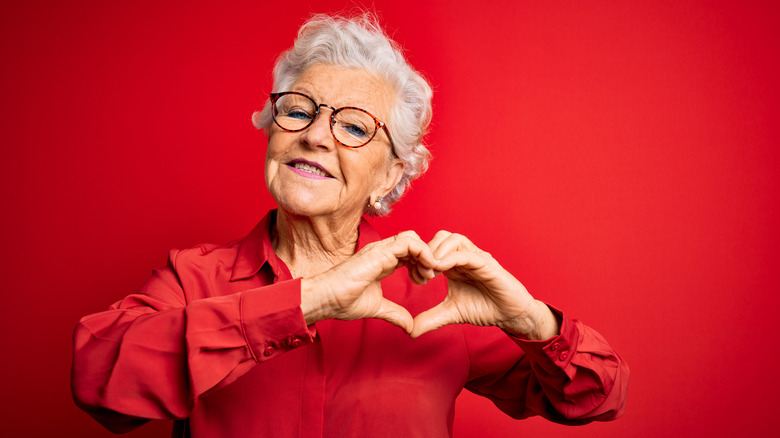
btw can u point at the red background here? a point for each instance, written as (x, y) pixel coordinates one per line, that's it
(628, 148)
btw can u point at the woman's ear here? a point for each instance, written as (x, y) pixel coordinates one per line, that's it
(393, 175)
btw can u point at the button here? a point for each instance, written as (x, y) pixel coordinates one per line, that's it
(268, 351)
(564, 355)
(296, 343)
(555, 346)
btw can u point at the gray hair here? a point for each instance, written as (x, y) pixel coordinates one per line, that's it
(360, 42)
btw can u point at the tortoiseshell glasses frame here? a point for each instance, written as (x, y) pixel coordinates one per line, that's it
(349, 125)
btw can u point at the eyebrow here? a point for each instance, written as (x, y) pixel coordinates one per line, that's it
(314, 96)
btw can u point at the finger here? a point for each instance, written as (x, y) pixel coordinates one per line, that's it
(453, 242)
(404, 249)
(434, 318)
(438, 238)
(419, 273)
(413, 246)
(426, 273)
(396, 315)
(410, 233)
(467, 260)
(407, 233)
(416, 275)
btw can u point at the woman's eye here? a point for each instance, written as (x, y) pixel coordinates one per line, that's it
(355, 130)
(297, 113)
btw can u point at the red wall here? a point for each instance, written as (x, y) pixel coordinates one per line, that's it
(630, 150)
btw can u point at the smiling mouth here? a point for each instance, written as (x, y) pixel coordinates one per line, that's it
(308, 168)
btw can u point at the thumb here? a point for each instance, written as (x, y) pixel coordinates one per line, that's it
(395, 314)
(434, 318)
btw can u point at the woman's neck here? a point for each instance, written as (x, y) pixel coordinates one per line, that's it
(311, 245)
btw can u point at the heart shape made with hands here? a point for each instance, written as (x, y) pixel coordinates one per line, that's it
(480, 291)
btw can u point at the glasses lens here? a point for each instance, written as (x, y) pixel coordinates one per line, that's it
(354, 127)
(294, 112)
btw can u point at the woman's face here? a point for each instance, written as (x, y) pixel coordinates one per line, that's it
(347, 178)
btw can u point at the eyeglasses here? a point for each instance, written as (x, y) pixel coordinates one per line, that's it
(351, 127)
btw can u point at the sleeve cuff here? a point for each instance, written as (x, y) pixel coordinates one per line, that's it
(272, 321)
(555, 352)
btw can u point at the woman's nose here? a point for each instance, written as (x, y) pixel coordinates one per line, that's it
(318, 134)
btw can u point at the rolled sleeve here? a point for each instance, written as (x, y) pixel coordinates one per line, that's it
(572, 378)
(556, 352)
(272, 321)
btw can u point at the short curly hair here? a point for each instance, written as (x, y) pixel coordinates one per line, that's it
(360, 42)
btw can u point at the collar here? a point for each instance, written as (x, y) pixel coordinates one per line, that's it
(255, 249)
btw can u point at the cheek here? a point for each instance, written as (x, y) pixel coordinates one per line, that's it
(272, 159)
(271, 149)
(366, 170)
(270, 172)
(278, 145)
(354, 167)
(278, 141)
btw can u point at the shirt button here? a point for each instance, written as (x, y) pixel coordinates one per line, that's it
(555, 346)
(268, 351)
(296, 343)
(564, 355)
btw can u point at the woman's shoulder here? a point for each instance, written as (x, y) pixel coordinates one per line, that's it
(252, 246)
(204, 254)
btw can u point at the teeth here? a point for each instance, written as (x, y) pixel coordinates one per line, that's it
(309, 168)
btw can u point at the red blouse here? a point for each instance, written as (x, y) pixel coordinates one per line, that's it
(217, 341)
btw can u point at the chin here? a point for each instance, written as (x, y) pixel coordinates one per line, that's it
(302, 205)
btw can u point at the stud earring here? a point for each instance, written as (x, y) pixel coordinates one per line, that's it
(378, 203)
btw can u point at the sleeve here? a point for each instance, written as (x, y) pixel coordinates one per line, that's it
(152, 354)
(573, 378)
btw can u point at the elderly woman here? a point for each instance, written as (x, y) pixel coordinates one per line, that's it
(294, 329)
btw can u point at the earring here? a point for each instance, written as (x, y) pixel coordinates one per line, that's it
(378, 203)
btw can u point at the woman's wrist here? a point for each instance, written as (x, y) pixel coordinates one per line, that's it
(539, 324)
(314, 305)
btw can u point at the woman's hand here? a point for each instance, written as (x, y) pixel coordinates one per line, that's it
(481, 292)
(351, 289)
